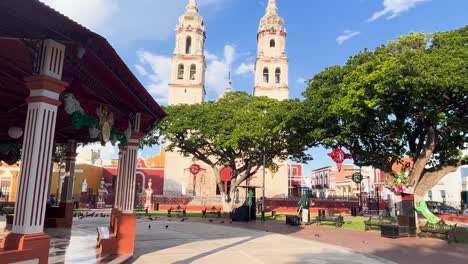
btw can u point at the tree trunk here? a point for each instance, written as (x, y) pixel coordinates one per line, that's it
(423, 158)
(430, 178)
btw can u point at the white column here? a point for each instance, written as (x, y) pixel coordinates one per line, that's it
(130, 174)
(120, 176)
(36, 165)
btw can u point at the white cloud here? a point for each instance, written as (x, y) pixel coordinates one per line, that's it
(94, 14)
(141, 70)
(108, 152)
(347, 35)
(159, 76)
(245, 68)
(209, 56)
(123, 20)
(301, 80)
(158, 72)
(393, 8)
(229, 54)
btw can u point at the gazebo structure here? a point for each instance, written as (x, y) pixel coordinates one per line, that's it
(61, 83)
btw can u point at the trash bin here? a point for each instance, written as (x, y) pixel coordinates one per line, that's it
(321, 213)
(353, 211)
(156, 208)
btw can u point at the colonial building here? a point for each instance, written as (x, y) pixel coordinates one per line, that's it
(451, 189)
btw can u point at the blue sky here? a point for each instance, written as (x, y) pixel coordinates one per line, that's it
(321, 33)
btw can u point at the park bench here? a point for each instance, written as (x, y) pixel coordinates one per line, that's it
(337, 219)
(213, 210)
(439, 229)
(378, 222)
(177, 209)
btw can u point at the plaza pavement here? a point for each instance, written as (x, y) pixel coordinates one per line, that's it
(196, 240)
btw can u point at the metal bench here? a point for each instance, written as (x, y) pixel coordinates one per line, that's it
(212, 210)
(439, 229)
(178, 209)
(337, 219)
(378, 222)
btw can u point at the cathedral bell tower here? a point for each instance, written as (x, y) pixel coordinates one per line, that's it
(271, 68)
(187, 85)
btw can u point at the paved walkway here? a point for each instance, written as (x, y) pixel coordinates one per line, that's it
(195, 242)
(403, 250)
(220, 241)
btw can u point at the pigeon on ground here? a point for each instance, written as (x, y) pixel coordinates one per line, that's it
(150, 218)
(167, 226)
(211, 220)
(183, 219)
(149, 226)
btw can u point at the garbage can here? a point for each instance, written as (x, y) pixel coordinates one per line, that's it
(321, 213)
(156, 208)
(353, 211)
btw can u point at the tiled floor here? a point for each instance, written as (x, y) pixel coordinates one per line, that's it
(77, 247)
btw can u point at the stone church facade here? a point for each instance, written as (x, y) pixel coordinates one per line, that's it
(187, 86)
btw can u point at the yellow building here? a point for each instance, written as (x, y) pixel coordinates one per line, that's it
(8, 182)
(92, 173)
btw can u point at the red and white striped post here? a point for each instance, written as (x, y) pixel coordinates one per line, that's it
(123, 220)
(127, 221)
(36, 166)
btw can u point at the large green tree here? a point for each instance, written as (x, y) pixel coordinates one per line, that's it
(236, 131)
(408, 98)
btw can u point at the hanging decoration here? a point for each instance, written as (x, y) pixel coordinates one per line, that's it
(195, 169)
(338, 156)
(10, 154)
(100, 122)
(357, 177)
(106, 121)
(273, 167)
(15, 132)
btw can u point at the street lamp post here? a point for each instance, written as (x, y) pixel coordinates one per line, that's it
(263, 185)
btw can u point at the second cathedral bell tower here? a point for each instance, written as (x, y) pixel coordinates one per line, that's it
(271, 68)
(187, 85)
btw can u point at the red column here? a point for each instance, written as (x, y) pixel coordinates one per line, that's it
(27, 235)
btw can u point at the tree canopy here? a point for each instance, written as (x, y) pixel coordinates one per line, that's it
(235, 131)
(408, 98)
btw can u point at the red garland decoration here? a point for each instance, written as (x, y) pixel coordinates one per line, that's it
(338, 156)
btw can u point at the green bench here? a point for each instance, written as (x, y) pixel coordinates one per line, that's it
(378, 222)
(337, 219)
(439, 229)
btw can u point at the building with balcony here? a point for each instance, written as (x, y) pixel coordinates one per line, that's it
(295, 180)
